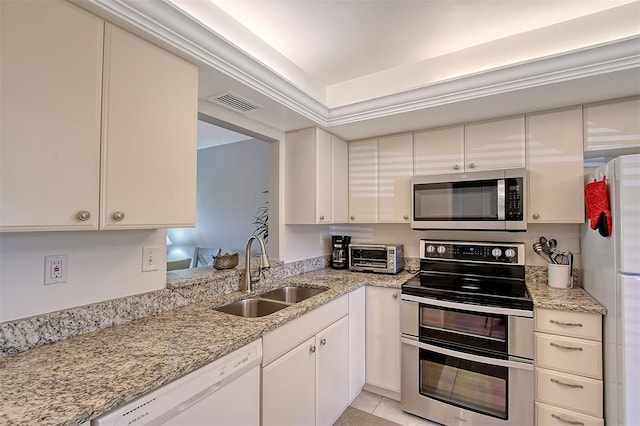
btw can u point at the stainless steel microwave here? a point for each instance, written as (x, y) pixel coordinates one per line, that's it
(482, 200)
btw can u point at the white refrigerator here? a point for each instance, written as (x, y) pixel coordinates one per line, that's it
(611, 274)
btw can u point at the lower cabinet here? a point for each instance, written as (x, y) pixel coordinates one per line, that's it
(383, 341)
(568, 368)
(357, 341)
(305, 374)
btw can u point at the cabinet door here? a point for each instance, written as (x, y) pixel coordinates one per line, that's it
(383, 338)
(308, 177)
(357, 341)
(324, 176)
(290, 376)
(49, 116)
(149, 135)
(438, 151)
(363, 181)
(332, 372)
(555, 157)
(340, 180)
(395, 168)
(612, 125)
(495, 144)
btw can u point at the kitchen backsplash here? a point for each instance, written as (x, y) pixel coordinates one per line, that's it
(183, 287)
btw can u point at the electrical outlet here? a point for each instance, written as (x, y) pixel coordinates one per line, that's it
(55, 269)
(150, 259)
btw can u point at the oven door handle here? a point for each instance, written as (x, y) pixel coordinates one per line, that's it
(467, 306)
(469, 357)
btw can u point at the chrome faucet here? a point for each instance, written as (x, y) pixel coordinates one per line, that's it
(264, 263)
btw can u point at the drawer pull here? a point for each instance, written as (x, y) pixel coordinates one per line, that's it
(569, 422)
(569, 348)
(566, 324)
(569, 385)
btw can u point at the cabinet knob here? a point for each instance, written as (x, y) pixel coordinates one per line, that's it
(353, 217)
(395, 295)
(118, 216)
(321, 217)
(323, 342)
(536, 216)
(312, 349)
(83, 215)
(456, 167)
(406, 217)
(472, 165)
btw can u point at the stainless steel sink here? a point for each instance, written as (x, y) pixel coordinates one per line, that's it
(292, 294)
(252, 308)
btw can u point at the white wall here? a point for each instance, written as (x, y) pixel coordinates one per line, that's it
(101, 265)
(231, 181)
(568, 236)
(305, 241)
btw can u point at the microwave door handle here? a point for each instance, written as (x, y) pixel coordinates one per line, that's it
(501, 199)
(469, 357)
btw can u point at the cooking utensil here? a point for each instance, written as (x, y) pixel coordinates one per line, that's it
(544, 245)
(560, 257)
(537, 247)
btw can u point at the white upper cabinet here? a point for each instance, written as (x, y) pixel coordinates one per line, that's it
(75, 138)
(612, 125)
(339, 180)
(49, 116)
(149, 135)
(495, 144)
(395, 168)
(438, 151)
(315, 177)
(556, 167)
(363, 181)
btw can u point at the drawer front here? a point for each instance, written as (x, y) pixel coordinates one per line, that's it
(572, 324)
(575, 356)
(569, 391)
(548, 415)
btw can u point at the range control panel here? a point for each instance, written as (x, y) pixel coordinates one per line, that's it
(481, 252)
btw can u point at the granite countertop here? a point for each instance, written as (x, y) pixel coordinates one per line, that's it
(571, 299)
(80, 378)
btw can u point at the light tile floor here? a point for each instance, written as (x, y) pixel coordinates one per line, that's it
(387, 409)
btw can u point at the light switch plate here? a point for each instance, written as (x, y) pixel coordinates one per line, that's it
(150, 259)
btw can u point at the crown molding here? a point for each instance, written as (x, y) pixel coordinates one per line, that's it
(164, 21)
(607, 58)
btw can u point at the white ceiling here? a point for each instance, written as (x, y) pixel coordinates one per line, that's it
(365, 68)
(334, 41)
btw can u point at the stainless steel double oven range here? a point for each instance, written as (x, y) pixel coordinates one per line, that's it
(467, 335)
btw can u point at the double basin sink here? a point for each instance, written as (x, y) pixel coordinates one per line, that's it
(270, 302)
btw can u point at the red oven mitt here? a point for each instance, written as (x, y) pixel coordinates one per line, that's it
(596, 199)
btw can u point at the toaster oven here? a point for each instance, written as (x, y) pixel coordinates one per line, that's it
(380, 258)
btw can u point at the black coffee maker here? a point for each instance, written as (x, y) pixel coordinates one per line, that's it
(340, 253)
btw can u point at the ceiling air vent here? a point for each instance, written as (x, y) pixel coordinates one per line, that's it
(234, 102)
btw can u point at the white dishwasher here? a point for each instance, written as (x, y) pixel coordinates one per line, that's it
(225, 392)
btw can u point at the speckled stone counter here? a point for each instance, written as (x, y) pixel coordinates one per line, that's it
(80, 378)
(570, 299)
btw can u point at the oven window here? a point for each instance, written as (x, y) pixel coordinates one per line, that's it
(473, 385)
(477, 330)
